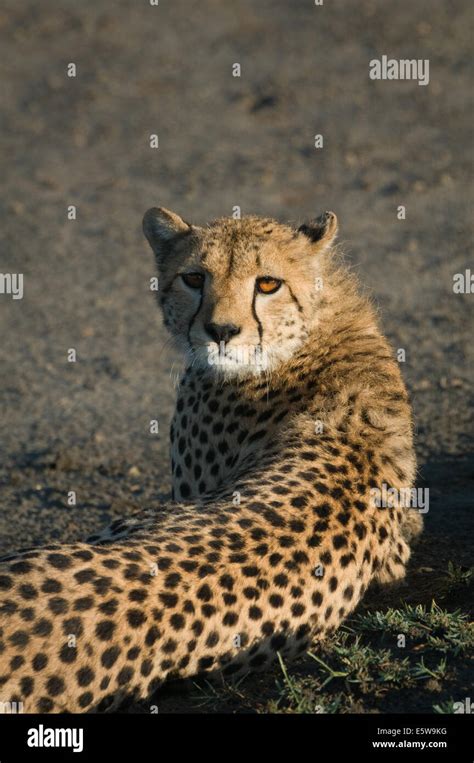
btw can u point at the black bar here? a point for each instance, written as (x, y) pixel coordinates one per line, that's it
(134, 736)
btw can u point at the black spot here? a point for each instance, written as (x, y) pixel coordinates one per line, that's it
(274, 559)
(230, 618)
(85, 699)
(323, 510)
(204, 593)
(84, 603)
(20, 567)
(28, 591)
(109, 607)
(177, 622)
(299, 501)
(111, 564)
(226, 581)
(84, 576)
(276, 601)
(172, 580)
(212, 639)
(67, 654)
(85, 676)
(135, 618)
(19, 638)
(346, 559)
(348, 592)
(39, 661)
(302, 631)
(45, 705)
(204, 663)
(5, 583)
(110, 656)
(105, 630)
(51, 586)
(152, 635)
(188, 566)
(58, 605)
(278, 641)
(125, 676)
(42, 628)
(326, 557)
(169, 599)
(297, 609)
(59, 561)
(16, 662)
(138, 594)
(26, 685)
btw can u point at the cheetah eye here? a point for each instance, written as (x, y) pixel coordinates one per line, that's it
(193, 280)
(268, 285)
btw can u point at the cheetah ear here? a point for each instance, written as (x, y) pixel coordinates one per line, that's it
(321, 231)
(162, 227)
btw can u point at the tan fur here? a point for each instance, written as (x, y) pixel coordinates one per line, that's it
(272, 536)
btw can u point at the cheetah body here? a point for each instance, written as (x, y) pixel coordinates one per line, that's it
(271, 537)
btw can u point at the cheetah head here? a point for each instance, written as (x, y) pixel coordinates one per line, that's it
(240, 296)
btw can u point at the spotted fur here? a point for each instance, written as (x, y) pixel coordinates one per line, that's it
(271, 537)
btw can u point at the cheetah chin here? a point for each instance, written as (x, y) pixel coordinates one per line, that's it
(271, 536)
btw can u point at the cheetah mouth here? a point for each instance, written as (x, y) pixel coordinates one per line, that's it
(238, 359)
(242, 356)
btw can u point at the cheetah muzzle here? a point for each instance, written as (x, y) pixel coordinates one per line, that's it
(290, 413)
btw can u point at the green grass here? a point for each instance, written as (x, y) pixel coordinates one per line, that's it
(376, 658)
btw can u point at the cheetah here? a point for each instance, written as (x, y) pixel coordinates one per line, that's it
(290, 413)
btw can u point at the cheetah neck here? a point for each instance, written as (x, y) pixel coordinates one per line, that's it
(222, 425)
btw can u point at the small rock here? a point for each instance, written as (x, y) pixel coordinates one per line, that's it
(17, 207)
(423, 28)
(422, 384)
(419, 186)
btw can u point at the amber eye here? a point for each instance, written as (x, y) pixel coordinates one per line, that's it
(193, 280)
(268, 285)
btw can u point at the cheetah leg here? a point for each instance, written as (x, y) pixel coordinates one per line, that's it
(394, 565)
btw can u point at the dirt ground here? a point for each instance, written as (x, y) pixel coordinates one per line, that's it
(224, 141)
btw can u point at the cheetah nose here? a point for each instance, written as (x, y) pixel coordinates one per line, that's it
(222, 332)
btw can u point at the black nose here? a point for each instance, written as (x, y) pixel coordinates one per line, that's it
(222, 332)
